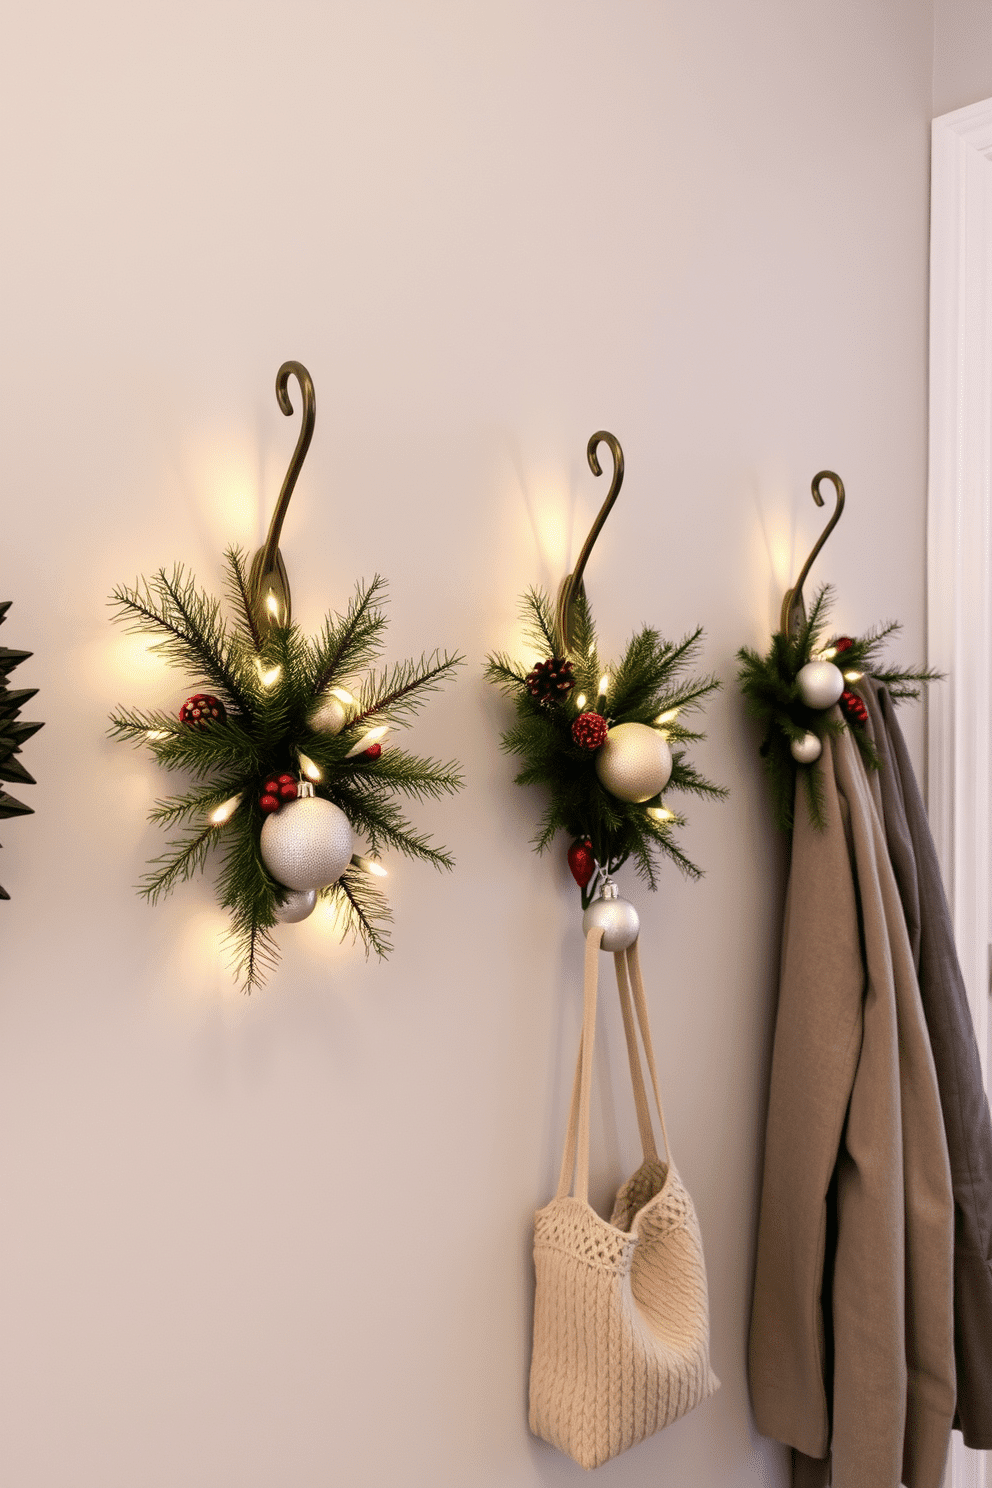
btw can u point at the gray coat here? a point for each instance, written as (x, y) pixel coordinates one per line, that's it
(959, 1074)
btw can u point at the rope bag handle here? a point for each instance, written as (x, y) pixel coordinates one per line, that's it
(575, 1159)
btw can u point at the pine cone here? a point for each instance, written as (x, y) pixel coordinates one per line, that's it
(551, 679)
(589, 730)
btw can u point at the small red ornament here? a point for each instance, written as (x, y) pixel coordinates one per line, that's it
(589, 730)
(372, 753)
(581, 862)
(201, 710)
(272, 787)
(287, 789)
(269, 803)
(843, 643)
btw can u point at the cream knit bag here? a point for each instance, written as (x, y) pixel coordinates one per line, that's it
(621, 1317)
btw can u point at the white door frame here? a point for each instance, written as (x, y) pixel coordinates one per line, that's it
(959, 578)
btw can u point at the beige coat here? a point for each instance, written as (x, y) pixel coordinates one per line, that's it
(851, 1350)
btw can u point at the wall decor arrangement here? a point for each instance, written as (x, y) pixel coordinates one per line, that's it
(284, 741)
(13, 731)
(621, 1311)
(871, 1329)
(793, 688)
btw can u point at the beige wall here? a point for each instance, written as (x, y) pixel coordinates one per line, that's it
(285, 1240)
(962, 64)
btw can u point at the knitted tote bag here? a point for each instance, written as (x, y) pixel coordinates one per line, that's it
(621, 1316)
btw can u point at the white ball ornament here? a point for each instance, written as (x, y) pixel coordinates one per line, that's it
(308, 843)
(634, 763)
(618, 918)
(820, 684)
(807, 750)
(329, 717)
(297, 905)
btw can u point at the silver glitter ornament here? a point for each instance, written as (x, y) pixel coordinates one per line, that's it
(634, 763)
(807, 750)
(297, 905)
(308, 843)
(820, 684)
(329, 717)
(617, 916)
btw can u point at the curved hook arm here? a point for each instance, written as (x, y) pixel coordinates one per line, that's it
(268, 570)
(793, 602)
(572, 587)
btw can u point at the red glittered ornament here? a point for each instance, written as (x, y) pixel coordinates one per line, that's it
(853, 707)
(843, 643)
(589, 730)
(372, 753)
(581, 862)
(201, 710)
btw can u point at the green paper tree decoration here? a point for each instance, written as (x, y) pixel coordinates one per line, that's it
(13, 732)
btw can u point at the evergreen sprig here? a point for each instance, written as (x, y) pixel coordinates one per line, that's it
(648, 682)
(771, 693)
(13, 732)
(271, 683)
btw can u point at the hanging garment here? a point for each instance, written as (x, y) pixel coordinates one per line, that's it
(959, 1072)
(851, 1347)
(621, 1314)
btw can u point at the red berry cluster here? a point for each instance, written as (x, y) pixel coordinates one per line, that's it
(589, 730)
(853, 708)
(201, 710)
(550, 679)
(280, 788)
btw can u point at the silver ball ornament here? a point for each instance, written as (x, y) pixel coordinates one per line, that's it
(820, 684)
(297, 905)
(634, 763)
(307, 844)
(618, 918)
(329, 717)
(807, 750)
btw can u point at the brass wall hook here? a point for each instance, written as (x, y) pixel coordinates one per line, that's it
(792, 604)
(268, 582)
(572, 586)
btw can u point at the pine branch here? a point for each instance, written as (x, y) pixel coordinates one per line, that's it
(396, 692)
(539, 622)
(354, 641)
(187, 857)
(504, 674)
(382, 822)
(363, 910)
(237, 589)
(423, 779)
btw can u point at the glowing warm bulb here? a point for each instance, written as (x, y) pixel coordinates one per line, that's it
(827, 655)
(661, 813)
(370, 865)
(225, 811)
(343, 696)
(853, 676)
(272, 604)
(367, 740)
(604, 683)
(156, 734)
(308, 767)
(267, 678)
(668, 717)
(580, 701)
